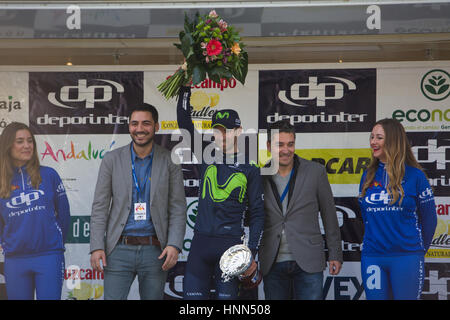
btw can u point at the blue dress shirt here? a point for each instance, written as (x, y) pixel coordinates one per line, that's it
(143, 171)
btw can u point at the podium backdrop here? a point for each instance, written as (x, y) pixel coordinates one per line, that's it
(78, 114)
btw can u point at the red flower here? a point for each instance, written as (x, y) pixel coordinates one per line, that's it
(214, 48)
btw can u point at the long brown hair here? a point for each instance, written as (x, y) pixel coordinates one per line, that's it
(398, 153)
(7, 139)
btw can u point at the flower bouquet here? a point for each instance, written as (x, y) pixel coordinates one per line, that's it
(210, 48)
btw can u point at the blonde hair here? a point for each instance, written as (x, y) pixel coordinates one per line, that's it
(398, 153)
(7, 139)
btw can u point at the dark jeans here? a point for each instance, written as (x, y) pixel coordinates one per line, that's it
(127, 261)
(286, 281)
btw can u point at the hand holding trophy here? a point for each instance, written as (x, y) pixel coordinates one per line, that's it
(238, 261)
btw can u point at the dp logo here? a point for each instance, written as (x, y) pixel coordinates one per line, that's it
(435, 85)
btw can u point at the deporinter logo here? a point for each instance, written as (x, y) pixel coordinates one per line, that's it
(83, 93)
(89, 95)
(321, 92)
(381, 197)
(220, 193)
(24, 199)
(432, 153)
(63, 103)
(427, 193)
(331, 100)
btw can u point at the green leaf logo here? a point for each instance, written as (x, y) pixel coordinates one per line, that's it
(192, 214)
(435, 85)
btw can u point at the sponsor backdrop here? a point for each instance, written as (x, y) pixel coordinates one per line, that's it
(78, 115)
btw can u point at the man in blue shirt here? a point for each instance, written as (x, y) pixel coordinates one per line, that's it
(141, 169)
(140, 205)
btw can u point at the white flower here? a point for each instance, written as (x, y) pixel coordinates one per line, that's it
(213, 14)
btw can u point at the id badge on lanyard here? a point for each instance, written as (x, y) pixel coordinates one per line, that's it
(140, 208)
(140, 211)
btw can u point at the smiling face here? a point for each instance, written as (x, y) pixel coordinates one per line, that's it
(142, 128)
(377, 139)
(22, 149)
(282, 148)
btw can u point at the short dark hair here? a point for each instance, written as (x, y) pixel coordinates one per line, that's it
(282, 126)
(147, 108)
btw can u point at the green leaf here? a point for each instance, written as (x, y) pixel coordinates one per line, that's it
(221, 72)
(432, 82)
(181, 35)
(242, 68)
(198, 74)
(186, 45)
(212, 74)
(430, 89)
(440, 82)
(189, 26)
(443, 88)
(193, 217)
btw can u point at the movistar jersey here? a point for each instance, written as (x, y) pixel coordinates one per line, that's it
(34, 221)
(398, 229)
(228, 188)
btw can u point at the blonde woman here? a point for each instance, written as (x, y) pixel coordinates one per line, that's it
(399, 214)
(34, 218)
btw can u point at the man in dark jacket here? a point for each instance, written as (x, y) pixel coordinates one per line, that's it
(292, 250)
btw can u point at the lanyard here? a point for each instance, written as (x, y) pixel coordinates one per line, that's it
(287, 187)
(133, 170)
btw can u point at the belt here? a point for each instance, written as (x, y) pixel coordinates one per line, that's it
(135, 240)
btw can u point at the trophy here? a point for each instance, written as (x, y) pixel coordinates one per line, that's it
(235, 261)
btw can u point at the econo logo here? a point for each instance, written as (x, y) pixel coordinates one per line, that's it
(435, 85)
(422, 115)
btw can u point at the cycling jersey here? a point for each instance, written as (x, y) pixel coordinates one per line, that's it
(396, 236)
(398, 229)
(227, 189)
(34, 221)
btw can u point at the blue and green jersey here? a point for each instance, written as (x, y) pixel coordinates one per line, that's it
(228, 190)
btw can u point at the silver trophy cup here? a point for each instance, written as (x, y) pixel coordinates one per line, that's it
(235, 261)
